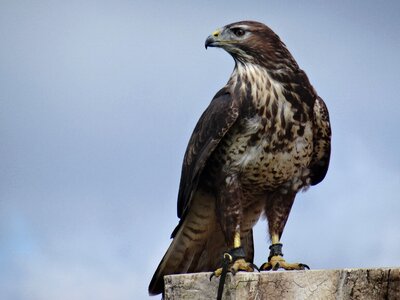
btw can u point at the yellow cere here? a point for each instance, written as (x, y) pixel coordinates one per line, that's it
(216, 33)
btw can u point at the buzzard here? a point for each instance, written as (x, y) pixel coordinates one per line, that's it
(264, 137)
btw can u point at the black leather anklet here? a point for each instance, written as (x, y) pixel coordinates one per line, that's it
(275, 250)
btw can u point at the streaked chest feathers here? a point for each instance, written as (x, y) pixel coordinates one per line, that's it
(271, 147)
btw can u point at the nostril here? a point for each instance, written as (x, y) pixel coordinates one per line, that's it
(215, 33)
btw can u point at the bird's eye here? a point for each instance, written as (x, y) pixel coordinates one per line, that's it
(238, 32)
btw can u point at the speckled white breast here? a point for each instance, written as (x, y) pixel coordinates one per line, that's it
(271, 163)
(262, 152)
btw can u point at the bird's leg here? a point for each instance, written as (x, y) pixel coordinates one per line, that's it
(229, 214)
(239, 262)
(277, 210)
(234, 259)
(276, 260)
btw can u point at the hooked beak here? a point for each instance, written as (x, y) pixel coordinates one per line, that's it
(213, 39)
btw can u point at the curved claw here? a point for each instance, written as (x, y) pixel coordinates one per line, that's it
(216, 273)
(276, 267)
(304, 266)
(254, 267)
(265, 266)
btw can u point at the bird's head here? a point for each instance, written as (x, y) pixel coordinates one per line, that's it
(249, 41)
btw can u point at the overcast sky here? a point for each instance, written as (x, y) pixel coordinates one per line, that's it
(98, 101)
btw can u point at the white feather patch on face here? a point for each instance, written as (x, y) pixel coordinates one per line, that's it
(241, 26)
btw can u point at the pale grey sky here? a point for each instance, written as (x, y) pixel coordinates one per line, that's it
(98, 100)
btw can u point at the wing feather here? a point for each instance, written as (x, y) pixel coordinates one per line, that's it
(322, 142)
(213, 124)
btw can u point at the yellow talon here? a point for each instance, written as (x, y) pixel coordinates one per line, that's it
(216, 273)
(277, 262)
(241, 265)
(238, 265)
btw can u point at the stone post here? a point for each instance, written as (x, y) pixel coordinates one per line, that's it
(381, 283)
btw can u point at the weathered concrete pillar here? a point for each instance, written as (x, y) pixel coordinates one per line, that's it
(383, 283)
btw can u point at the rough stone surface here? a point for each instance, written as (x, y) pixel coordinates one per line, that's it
(382, 283)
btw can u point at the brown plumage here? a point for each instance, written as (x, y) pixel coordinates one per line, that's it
(264, 136)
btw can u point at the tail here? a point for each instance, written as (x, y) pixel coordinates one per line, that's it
(198, 244)
(186, 249)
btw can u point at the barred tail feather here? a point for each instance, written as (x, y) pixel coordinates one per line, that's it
(198, 244)
(186, 252)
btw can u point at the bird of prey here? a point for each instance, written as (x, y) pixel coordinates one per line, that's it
(264, 137)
